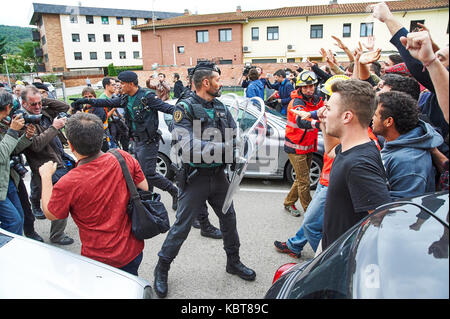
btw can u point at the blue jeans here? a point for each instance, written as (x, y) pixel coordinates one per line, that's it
(133, 266)
(311, 229)
(11, 212)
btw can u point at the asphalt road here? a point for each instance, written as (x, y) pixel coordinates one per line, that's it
(198, 272)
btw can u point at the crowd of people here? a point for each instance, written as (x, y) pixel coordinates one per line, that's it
(384, 125)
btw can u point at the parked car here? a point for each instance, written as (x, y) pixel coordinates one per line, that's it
(268, 165)
(399, 251)
(31, 270)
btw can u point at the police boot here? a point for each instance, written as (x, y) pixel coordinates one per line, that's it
(208, 230)
(36, 210)
(235, 267)
(161, 274)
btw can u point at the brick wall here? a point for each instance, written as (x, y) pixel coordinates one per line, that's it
(54, 43)
(159, 47)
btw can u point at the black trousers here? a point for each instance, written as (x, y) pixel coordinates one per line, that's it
(28, 221)
(147, 156)
(209, 186)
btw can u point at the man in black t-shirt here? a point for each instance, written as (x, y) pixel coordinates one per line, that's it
(358, 182)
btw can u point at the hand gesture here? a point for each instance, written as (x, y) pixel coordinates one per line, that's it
(309, 63)
(370, 43)
(419, 46)
(370, 57)
(339, 43)
(358, 52)
(381, 12)
(59, 123)
(47, 169)
(17, 123)
(30, 131)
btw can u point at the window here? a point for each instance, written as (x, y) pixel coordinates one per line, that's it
(93, 55)
(135, 38)
(316, 31)
(73, 19)
(91, 37)
(202, 36)
(75, 37)
(122, 55)
(108, 55)
(291, 60)
(44, 40)
(119, 20)
(225, 35)
(136, 55)
(366, 29)
(133, 21)
(225, 61)
(121, 38)
(255, 34)
(272, 33)
(106, 38)
(347, 30)
(414, 25)
(89, 20)
(255, 61)
(105, 20)
(77, 56)
(146, 20)
(180, 49)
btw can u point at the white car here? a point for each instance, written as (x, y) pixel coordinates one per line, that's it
(35, 270)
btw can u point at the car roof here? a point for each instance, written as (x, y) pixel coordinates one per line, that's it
(402, 250)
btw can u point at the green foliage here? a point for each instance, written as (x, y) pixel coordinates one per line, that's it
(16, 64)
(112, 70)
(129, 68)
(52, 78)
(27, 50)
(15, 36)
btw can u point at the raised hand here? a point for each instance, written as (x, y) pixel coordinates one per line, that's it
(370, 43)
(419, 46)
(370, 57)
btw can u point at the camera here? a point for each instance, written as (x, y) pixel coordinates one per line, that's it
(29, 119)
(16, 164)
(247, 69)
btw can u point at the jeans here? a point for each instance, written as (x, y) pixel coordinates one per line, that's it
(11, 212)
(300, 188)
(133, 266)
(311, 229)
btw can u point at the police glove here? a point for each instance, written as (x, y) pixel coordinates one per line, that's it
(78, 104)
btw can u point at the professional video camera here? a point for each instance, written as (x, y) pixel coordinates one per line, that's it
(17, 164)
(247, 69)
(29, 119)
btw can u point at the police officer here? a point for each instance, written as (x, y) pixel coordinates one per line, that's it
(141, 114)
(202, 126)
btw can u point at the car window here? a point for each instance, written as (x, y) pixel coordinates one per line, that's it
(275, 112)
(4, 239)
(328, 276)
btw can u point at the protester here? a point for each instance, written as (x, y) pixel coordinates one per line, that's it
(406, 152)
(178, 86)
(256, 87)
(358, 182)
(46, 146)
(11, 212)
(162, 87)
(284, 88)
(96, 195)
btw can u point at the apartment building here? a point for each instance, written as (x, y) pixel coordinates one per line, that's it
(77, 38)
(284, 35)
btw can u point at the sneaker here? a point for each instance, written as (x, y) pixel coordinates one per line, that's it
(283, 248)
(293, 210)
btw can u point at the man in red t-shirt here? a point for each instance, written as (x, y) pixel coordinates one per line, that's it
(96, 195)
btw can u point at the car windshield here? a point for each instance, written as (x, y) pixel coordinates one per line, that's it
(275, 112)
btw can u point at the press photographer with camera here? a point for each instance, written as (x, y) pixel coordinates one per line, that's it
(46, 146)
(96, 194)
(11, 212)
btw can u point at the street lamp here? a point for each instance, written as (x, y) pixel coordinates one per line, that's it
(4, 56)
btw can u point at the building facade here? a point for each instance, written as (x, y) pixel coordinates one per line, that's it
(76, 38)
(285, 35)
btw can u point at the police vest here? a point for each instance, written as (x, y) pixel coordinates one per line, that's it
(144, 117)
(302, 141)
(91, 110)
(209, 118)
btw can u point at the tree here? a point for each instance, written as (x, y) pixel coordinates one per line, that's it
(16, 64)
(112, 70)
(2, 48)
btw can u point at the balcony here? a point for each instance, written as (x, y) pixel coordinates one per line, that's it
(38, 52)
(36, 35)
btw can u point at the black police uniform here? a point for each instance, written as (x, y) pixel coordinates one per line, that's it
(201, 182)
(141, 115)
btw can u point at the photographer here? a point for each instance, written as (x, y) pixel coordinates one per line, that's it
(256, 87)
(96, 194)
(46, 146)
(11, 212)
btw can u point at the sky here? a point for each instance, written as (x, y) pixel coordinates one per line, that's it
(18, 13)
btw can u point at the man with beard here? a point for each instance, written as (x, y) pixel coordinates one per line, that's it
(202, 127)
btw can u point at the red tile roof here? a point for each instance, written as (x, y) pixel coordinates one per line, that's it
(327, 9)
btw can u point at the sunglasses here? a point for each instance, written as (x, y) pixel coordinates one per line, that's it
(35, 104)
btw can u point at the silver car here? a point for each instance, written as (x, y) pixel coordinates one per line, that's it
(271, 162)
(35, 270)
